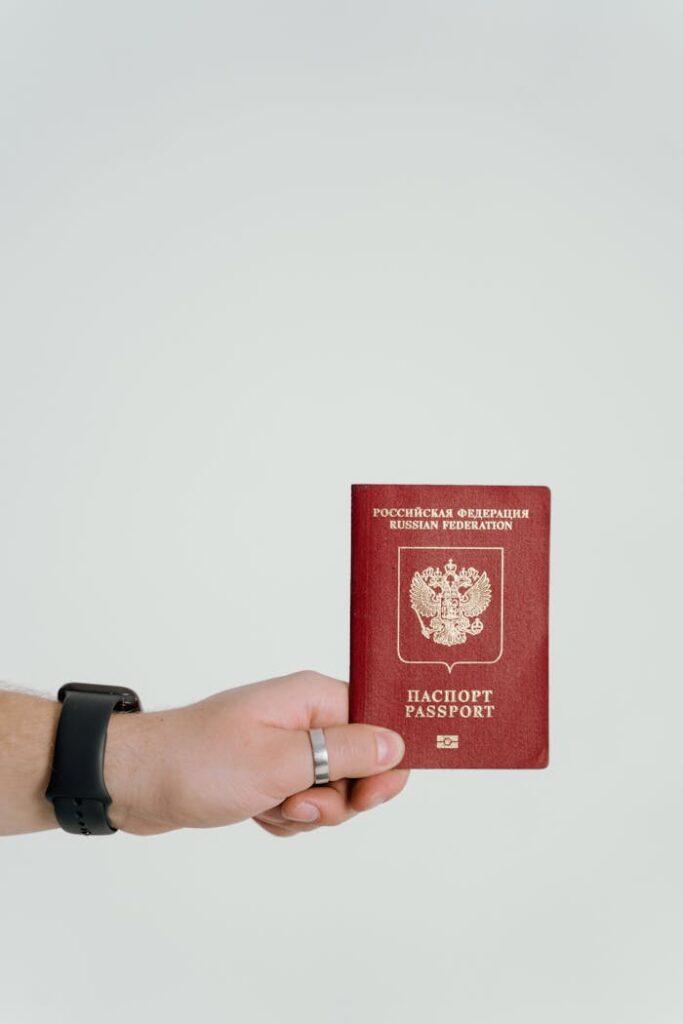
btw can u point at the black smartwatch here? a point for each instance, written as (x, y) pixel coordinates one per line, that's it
(77, 790)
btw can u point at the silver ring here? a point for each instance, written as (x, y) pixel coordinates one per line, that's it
(321, 760)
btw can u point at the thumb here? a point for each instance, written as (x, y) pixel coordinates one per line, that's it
(354, 751)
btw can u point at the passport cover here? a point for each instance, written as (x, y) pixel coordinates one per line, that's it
(449, 621)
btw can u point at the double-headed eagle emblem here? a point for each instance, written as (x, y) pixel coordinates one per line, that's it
(451, 601)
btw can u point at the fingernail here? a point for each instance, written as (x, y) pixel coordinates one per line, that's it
(376, 801)
(303, 812)
(390, 746)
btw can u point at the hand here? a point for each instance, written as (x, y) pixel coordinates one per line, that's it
(246, 753)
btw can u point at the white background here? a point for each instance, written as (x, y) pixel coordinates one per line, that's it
(252, 253)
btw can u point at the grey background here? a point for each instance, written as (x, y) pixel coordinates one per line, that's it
(251, 254)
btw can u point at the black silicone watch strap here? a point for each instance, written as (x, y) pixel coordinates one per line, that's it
(77, 789)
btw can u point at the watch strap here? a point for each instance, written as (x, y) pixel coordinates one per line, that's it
(78, 763)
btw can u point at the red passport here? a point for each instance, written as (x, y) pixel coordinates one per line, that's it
(449, 621)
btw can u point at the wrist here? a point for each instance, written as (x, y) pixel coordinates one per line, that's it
(40, 738)
(128, 768)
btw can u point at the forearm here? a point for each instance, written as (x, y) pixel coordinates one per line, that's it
(27, 730)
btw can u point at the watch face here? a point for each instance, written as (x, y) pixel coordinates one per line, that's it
(128, 699)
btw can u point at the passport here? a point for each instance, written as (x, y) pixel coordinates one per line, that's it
(449, 621)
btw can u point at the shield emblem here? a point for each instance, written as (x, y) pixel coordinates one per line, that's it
(450, 605)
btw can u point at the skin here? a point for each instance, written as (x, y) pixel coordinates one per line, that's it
(242, 753)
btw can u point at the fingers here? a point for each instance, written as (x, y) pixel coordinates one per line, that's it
(328, 806)
(376, 790)
(355, 751)
(358, 750)
(322, 805)
(276, 830)
(333, 804)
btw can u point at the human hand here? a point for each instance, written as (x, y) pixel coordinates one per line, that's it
(246, 753)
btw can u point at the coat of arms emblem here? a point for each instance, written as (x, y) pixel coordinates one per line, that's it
(448, 603)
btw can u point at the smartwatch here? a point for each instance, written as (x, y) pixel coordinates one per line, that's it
(76, 789)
